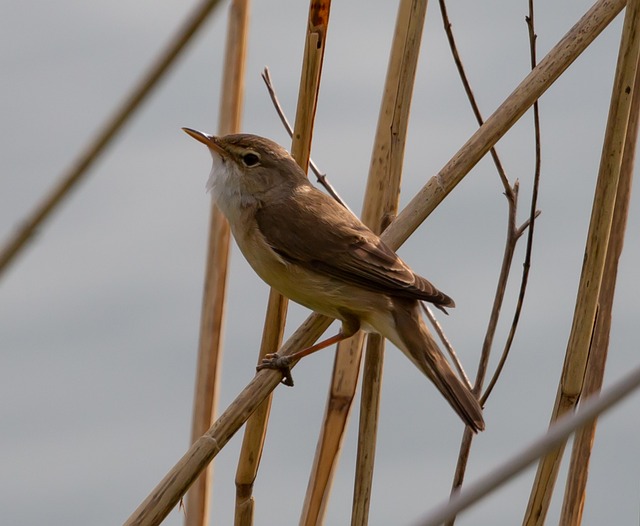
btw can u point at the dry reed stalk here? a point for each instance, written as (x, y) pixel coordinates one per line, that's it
(314, 47)
(515, 105)
(533, 214)
(557, 434)
(380, 204)
(106, 133)
(215, 284)
(256, 428)
(574, 497)
(580, 338)
(344, 380)
(368, 430)
(253, 442)
(168, 492)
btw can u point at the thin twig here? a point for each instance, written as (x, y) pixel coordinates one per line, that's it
(513, 235)
(518, 310)
(511, 195)
(467, 88)
(507, 260)
(447, 344)
(321, 177)
(530, 89)
(533, 214)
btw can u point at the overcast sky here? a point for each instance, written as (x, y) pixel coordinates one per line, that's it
(99, 315)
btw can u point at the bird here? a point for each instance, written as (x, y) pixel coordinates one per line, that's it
(315, 252)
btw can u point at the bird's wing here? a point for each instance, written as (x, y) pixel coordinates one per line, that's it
(339, 245)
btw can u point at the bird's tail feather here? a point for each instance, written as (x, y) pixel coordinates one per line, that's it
(418, 344)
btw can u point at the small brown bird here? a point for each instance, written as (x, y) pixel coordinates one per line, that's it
(316, 253)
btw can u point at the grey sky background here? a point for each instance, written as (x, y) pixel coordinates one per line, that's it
(99, 316)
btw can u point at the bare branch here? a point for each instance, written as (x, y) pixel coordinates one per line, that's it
(513, 235)
(533, 214)
(467, 88)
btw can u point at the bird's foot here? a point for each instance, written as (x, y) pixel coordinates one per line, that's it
(281, 363)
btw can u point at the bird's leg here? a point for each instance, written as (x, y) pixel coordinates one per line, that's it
(350, 325)
(283, 363)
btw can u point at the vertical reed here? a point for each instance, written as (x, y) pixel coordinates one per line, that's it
(253, 442)
(580, 338)
(215, 283)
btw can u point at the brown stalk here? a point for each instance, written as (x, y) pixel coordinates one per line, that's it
(513, 235)
(580, 338)
(530, 224)
(215, 283)
(368, 429)
(515, 105)
(344, 380)
(380, 203)
(106, 133)
(574, 496)
(472, 99)
(167, 493)
(253, 442)
(380, 206)
(170, 489)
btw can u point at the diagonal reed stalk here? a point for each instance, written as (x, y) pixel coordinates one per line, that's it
(215, 283)
(107, 132)
(255, 432)
(170, 489)
(604, 203)
(574, 496)
(557, 434)
(506, 115)
(380, 203)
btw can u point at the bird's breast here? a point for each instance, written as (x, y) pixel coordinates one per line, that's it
(318, 292)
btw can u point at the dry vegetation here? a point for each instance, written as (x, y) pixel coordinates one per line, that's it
(587, 348)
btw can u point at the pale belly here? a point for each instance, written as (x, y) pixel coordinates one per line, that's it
(320, 293)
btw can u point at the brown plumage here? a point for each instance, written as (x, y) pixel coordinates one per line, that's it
(315, 252)
(351, 251)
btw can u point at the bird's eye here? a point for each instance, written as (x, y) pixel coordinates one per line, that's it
(250, 159)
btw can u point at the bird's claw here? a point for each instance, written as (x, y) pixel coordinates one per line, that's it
(281, 363)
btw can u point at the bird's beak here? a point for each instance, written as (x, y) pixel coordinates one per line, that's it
(211, 141)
